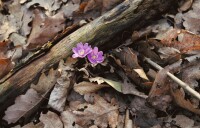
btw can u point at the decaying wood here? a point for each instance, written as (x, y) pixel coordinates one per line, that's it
(133, 13)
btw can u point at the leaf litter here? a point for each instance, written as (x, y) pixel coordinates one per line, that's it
(123, 91)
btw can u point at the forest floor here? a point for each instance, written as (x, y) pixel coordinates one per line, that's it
(151, 80)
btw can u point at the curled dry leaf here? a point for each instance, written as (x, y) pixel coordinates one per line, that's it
(129, 62)
(88, 87)
(101, 112)
(116, 85)
(64, 83)
(180, 100)
(59, 94)
(186, 5)
(44, 28)
(51, 120)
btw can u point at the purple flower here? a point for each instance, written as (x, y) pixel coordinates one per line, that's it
(81, 50)
(95, 56)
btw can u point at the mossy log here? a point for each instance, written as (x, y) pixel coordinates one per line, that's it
(130, 13)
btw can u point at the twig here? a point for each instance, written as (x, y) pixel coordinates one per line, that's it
(177, 80)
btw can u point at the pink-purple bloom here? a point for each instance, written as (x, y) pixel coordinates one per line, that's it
(81, 50)
(95, 56)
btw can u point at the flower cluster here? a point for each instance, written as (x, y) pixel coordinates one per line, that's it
(82, 50)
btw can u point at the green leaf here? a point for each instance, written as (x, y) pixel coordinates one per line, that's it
(116, 85)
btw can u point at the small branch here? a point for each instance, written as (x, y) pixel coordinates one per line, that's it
(177, 80)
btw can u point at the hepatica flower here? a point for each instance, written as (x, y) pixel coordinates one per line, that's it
(81, 50)
(95, 56)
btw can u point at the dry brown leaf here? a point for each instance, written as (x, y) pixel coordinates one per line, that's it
(186, 40)
(69, 122)
(191, 18)
(102, 5)
(32, 125)
(146, 116)
(26, 19)
(51, 120)
(159, 95)
(129, 62)
(44, 28)
(101, 112)
(49, 6)
(23, 107)
(27, 104)
(186, 5)
(3, 49)
(59, 94)
(64, 83)
(180, 100)
(69, 8)
(182, 121)
(88, 87)
(5, 66)
(11, 23)
(45, 83)
(191, 75)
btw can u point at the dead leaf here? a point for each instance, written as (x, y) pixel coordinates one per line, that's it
(12, 22)
(129, 62)
(50, 6)
(44, 29)
(3, 49)
(27, 104)
(101, 112)
(191, 18)
(145, 115)
(51, 120)
(186, 5)
(32, 125)
(22, 107)
(180, 100)
(159, 95)
(191, 75)
(186, 40)
(59, 94)
(26, 20)
(183, 121)
(102, 5)
(63, 85)
(69, 9)
(116, 85)
(45, 83)
(88, 87)
(5, 67)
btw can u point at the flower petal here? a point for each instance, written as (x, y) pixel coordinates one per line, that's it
(75, 56)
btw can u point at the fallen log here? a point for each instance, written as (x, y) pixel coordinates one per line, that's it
(134, 13)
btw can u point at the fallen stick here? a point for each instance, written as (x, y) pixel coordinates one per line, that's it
(185, 86)
(134, 13)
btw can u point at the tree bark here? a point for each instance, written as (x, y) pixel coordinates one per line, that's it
(132, 13)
